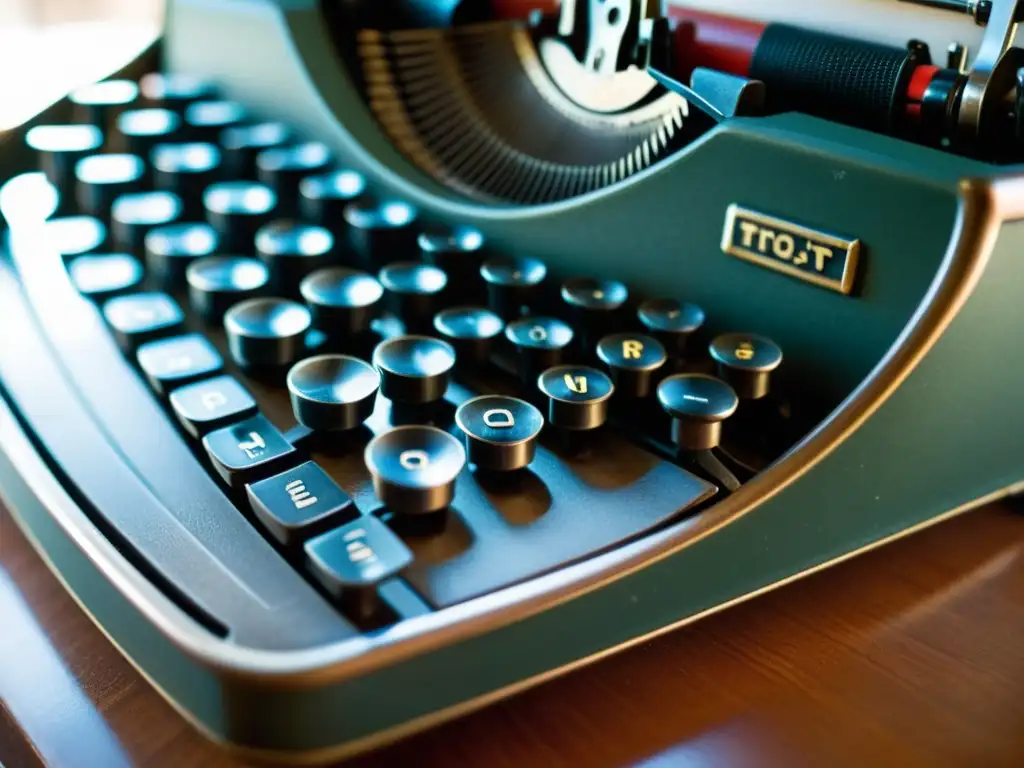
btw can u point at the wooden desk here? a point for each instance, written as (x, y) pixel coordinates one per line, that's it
(910, 655)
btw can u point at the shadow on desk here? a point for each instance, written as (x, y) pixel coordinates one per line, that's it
(910, 655)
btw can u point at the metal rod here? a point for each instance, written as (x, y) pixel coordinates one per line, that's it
(979, 10)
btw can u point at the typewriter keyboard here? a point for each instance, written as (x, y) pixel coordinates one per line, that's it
(411, 418)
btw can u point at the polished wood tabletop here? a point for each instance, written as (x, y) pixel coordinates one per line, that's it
(910, 655)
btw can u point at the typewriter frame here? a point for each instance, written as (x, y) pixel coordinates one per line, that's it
(335, 700)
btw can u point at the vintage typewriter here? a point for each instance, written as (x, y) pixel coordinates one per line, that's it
(365, 362)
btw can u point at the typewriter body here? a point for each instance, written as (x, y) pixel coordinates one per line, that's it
(364, 363)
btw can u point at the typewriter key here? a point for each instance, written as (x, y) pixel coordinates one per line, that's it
(139, 130)
(470, 330)
(501, 432)
(332, 392)
(512, 283)
(577, 396)
(414, 291)
(414, 370)
(133, 216)
(593, 304)
(291, 250)
(698, 404)
(103, 178)
(380, 232)
(241, 144)
(217, 282)
(60, 147)
(322, 198)
(414, 469)
(267, 332)
(206, 120)
(632, 361)
(671, 322)
(746, 361)
(458, 251)
(351, 561)
(100, 276)
(174, 91)
(282, 168)
(236, 210)
(540, 343)
(343, 301)
(187, 170)
(171, 248)
(97, 103)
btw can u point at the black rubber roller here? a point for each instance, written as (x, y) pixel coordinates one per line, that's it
(849, 81)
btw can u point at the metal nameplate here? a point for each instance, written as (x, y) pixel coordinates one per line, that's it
(816, 257)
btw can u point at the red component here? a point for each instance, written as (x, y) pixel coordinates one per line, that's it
(920, 81)
(520, 9)
(717, 42)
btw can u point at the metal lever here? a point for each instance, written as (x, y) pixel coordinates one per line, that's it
(716, 94)
(992, 71)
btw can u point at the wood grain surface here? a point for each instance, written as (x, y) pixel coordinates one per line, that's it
(911, 655)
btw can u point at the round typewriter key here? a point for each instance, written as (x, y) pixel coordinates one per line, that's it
(100, 276)
(511, 282)
(540, 343)
(414, 469)
(74, 235)
(322, 198)
(632, 360)
(458, 251)
(236, 210)
(97, 103)
(291, 250)
(332, 392)
(343, 301)
(671, 322)
(594, 304)
(175, 91)
(139, 130)
(282, 168)
(414, 370)
(102, 178)
(501, 432)
(205, 120)
(171, 248)
(380, 232)
(594, 296)
(577, 395)
(217, 282)
(266, 332)
(133, 216)
(240, 145)
(470, 330)
(187, 170)
(746, 361)
(414, 291)
(698, 404)
(60, 147)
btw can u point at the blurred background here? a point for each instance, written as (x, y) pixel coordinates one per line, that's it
(48, 47)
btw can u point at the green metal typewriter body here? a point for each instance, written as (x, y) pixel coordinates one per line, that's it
(736, 343)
